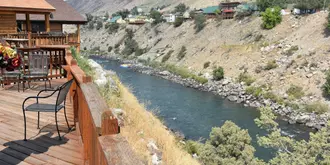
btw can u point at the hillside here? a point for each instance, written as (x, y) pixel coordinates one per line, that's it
(239, 46)
(111, 6)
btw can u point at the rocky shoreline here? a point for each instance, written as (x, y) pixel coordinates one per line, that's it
(234, 92)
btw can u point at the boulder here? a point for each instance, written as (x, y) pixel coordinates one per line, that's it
(164, 73)
(232, 98)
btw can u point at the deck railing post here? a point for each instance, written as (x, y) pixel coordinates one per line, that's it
(109, 124)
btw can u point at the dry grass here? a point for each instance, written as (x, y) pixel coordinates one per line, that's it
(141, 126)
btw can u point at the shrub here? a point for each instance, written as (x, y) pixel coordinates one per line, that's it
(254, 91)
(313, 65)
(192, 147)
(326, 85)
(157, 16)
(271, 65)
(182, 53)
(271, 17)
(317, 107)
(245, 77)
(218, 74)
(180, 8)
(139, 52)
(207, 64)
(199, 79)
(258, 69)
(99, 25)
(167, 56)
(178, 21)
(292, 50)
(130, 47)
(295, 92)
(112, 27)
(90, 25)
(199, 22)
(109, 48)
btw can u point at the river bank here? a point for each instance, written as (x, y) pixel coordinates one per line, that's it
(235, 92)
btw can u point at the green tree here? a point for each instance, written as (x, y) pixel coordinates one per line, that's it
(199, 22)
(291, 151)
(99, 25)
(178, 21)
(326, 85)
(112, 27)
(228, 145)
(123, 13)
(135, 11)
(157, 16)
(89, 17)
(271, 17)
(264, 4)
(218, 74)
(106, 16)
(180, 8)
(90, 25)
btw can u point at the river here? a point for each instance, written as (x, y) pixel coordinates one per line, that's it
(194, 112)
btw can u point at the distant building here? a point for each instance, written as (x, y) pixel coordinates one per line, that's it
(137, 20)
(169, 17)
(117, 19)
(186, 15)
(211, 11)
(228, 9)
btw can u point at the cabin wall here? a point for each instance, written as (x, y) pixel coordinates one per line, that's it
(40, 27)
(8, 23)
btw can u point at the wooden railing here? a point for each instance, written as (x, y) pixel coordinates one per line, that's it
(98, 126)
(37, 39)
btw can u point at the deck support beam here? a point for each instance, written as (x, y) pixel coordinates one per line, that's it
(47, 24)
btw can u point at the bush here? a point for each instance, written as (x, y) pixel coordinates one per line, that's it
(112, 27)
(245, 77)
(99, 25)
(218, 74)
(199, 79)
(271, 17)
(182, 53)
(199, 22)
(192, 147)
(139, 52)
(157, 16)
(258, 69)
(178, 21)
(109, 48)
(167, 56)
(90, 25)
(317, 107)
(254, 91)
(130, 47)
(326, 85)
(295, 92)
(207, 64)
(271, 65)
(181, 8)
(292, 50)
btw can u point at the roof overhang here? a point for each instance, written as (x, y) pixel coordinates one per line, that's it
(26, 6)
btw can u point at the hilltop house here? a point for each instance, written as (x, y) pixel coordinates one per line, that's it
(228, 9)
(211, 11)
(169, 17)
(117, 19)
(64, 14)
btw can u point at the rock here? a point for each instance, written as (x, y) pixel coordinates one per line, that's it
(225, 82)
(309, 75)
(293, 72)
(195, 156)
(118, 111)
(208, 76)
(232, 98)
(302, 119)
(164, 73)
(156, 160)
(152, 147)
(292, 122)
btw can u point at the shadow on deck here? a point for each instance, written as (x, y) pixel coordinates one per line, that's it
(43, 146)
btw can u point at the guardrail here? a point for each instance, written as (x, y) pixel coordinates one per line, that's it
(98, 126)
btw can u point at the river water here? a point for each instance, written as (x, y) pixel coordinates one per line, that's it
(194, 112)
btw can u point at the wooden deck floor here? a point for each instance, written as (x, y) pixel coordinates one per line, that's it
(43, 146)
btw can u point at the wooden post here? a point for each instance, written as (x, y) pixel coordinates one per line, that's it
(78, 38)
(28, 22)
(29, 40)
(109, 124)
(47, 16)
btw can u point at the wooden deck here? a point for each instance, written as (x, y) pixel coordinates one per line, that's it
(43, 146)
